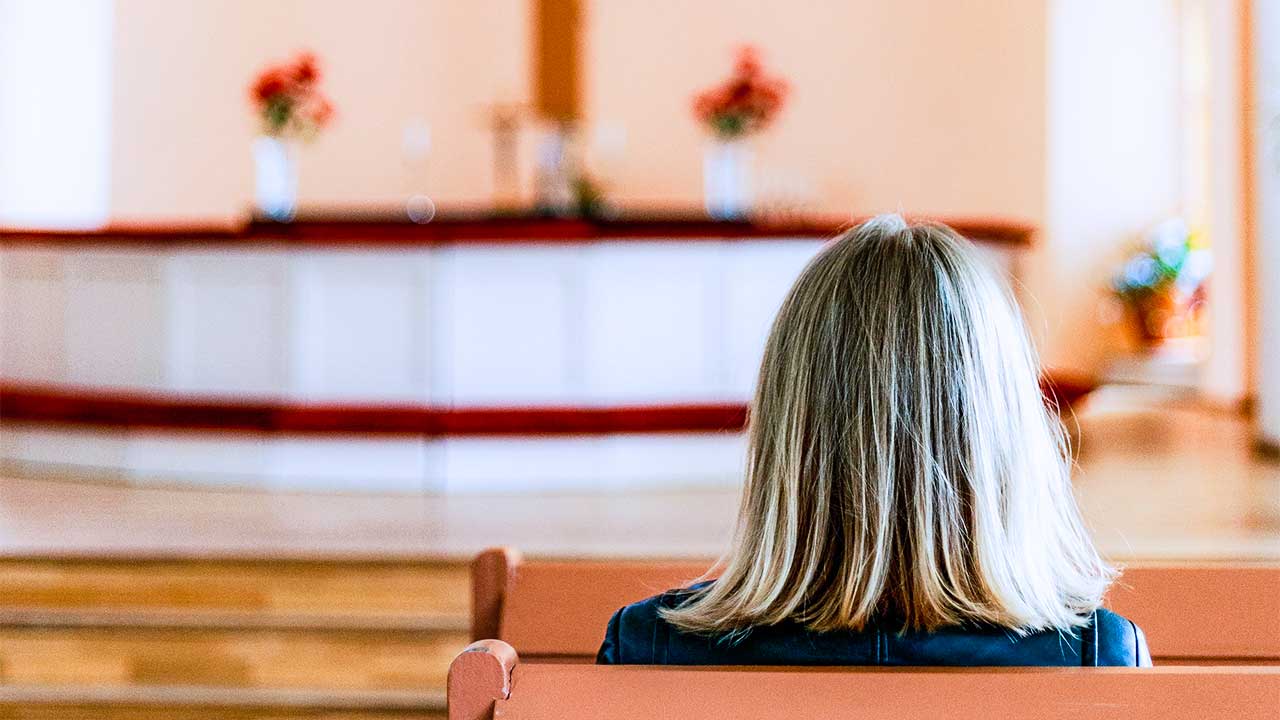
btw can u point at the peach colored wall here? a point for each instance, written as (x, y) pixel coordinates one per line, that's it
(183, 129)
(931, 107)
(179, 129)
(917, 105)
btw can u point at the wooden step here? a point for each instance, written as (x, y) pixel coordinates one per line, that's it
(408, 589)
(202, 703)
(281, 658)
(230, 626)
(39, 617)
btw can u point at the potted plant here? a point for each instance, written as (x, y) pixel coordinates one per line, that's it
(1162, 284)
(741, 106)
(290, 107)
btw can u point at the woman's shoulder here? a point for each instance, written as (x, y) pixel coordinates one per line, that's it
(638, 634)
(633, 626)
(1105, 639)
(1116, 640)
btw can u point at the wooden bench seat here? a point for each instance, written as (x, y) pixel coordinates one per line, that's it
(487, 681)
(1193, 614)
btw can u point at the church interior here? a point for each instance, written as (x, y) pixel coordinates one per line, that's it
(308, 305)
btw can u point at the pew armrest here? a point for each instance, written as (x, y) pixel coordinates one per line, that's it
(580, 691)
(478, 677)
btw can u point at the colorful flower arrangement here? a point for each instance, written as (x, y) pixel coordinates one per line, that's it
(1162, 285)
(288, 99)
(745, 103)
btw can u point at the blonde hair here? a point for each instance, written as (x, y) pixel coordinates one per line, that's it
(902, 465)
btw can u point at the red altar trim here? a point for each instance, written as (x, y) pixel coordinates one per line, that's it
(323, 232)
(73, 406)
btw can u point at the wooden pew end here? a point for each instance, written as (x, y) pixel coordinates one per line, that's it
(491, 573)
(478, 677)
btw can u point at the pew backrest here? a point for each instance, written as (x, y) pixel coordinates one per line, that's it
(488, 680)
(558, 609)
(1215, 613)
(1196, 614)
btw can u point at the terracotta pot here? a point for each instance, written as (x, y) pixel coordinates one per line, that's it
(1162, 316)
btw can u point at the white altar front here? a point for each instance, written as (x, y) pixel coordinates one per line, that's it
(327, 331)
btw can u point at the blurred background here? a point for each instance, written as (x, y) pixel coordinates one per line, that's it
(303, 303)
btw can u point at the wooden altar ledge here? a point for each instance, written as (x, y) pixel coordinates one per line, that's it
(387, 229)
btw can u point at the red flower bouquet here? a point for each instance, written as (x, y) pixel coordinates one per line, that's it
(288, 99)
(745, 103)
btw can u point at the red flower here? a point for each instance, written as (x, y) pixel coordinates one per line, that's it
(288, 100)
(269, 84)
(740, 89)
(321, 111)
(748, 63)
(747, 102)
(306, 69)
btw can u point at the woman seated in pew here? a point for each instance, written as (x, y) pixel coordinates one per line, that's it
(908, 497)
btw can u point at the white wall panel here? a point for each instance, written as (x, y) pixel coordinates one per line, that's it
(63, 449)
(170, 457)
(481, 465)
(32, 317)
(437, 327)
(514, 320)
(654, 328)
(359, 464)
(500, 325)
(227, 325)
(348, 464)
(757, 278)
(688, 460)
(116, 319)
(358, 326)
(514, 465)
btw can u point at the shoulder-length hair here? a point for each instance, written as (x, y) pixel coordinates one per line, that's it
(902, 466)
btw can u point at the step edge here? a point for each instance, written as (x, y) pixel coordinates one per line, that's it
(238, 556)
(125, 618)
(201, 696)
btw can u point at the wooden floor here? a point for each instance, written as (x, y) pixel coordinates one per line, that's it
(1155, 482)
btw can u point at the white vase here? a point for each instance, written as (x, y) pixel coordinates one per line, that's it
(275, 178)
(726, 179)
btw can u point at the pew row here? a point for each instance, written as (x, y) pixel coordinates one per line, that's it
(488, 681)
(1192, 614)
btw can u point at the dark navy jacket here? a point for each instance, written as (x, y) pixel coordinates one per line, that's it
(637, 636)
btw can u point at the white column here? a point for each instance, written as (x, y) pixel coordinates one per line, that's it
(55, 112)
(1266, 167)
(1220, 194)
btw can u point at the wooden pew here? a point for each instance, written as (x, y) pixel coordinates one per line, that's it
(1193, 614)
(487, 681)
